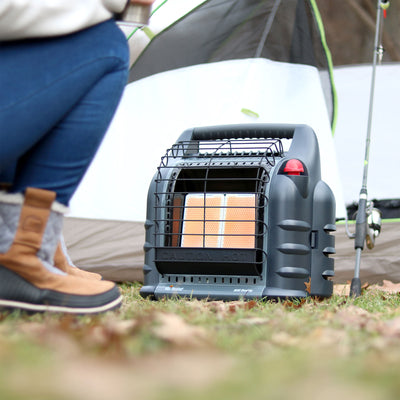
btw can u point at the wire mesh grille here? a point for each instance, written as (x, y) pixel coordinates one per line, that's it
(212, 194)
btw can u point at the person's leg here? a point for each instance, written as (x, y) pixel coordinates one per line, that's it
(57, 104)
(7, 177)
(57, 99)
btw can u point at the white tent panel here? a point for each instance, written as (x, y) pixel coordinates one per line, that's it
(154, 111)
(353, 86)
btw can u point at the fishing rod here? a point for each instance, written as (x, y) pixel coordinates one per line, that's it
(368, 219)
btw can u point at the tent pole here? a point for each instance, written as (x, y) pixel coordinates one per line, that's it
(362, 217)
(267, 28)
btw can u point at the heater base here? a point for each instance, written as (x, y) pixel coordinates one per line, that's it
(214, 292)
(220, 292)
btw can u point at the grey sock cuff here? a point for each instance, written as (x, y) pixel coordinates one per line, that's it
(18, 198)
(10, 210)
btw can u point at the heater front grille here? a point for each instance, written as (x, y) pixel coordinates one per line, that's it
(210, 199)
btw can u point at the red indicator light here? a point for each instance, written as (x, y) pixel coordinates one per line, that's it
(293, 167)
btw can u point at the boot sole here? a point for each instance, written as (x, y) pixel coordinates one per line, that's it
(17, 305)
(17, 293)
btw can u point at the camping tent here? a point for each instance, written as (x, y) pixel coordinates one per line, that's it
(260, 61)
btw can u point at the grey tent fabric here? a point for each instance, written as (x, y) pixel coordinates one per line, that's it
(382, 262)
(112, 248)
(115, 249)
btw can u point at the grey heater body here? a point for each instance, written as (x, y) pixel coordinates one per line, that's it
(232, 214)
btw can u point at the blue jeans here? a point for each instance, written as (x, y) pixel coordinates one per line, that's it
(57, 99)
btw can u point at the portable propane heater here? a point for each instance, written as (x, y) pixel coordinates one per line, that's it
(232, 215)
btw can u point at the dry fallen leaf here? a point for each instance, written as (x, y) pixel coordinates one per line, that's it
(355, 317)
(244, 305)
(308, 286)
(389, 329)
(173, 329)
(223, 308)
(341, 289)
(294, 304)
(220, 308)
(387, 287)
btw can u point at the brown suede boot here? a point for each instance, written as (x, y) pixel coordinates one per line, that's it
(29, 234)
(62, 262)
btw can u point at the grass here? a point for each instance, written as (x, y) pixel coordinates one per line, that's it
(178, 349)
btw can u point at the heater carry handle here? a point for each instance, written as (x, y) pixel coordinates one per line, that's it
(240, 131)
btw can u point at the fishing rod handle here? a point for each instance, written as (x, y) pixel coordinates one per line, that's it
(361, 221)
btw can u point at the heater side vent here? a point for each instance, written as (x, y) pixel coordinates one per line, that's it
(211, 279)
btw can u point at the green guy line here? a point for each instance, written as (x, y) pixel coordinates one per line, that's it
(329, 59)
(146, 30)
